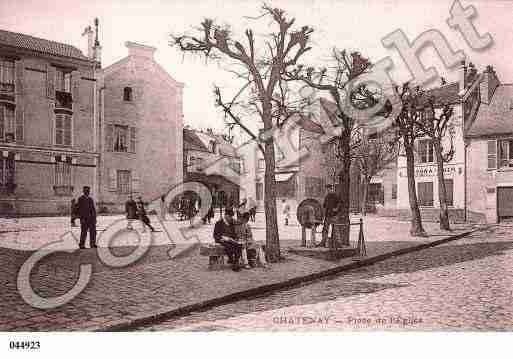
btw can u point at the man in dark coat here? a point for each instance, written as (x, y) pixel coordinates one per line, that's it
(131, 211)
(330, 206)
(224, 234)
(141, 211)
(87, 214)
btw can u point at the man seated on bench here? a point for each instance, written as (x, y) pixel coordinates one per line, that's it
(224, 234)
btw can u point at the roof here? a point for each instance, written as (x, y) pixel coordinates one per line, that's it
(192, 142)
(16, 39)
(497, 117)
(445, 94)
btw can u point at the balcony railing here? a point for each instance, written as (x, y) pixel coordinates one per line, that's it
(6, 87)
(63, 100)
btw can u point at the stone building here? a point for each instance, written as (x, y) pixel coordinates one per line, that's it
(48, 123)
(209, 159)
(141, 129)
(489, 152)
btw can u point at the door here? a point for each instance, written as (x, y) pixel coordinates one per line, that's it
(504, 202)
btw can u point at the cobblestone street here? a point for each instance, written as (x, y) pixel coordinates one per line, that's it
(462, 285)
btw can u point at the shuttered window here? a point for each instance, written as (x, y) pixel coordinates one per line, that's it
(124, 181)
(133, 135)
(7, 170)
(492, 154)
(259, 191)
(62, 172)
(6, 75)
(63, 129)
(7, 123)
(425, 193)
(62, 80)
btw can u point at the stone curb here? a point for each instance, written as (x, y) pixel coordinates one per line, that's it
(132, 323)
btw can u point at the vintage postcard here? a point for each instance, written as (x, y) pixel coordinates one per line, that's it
(248, 166)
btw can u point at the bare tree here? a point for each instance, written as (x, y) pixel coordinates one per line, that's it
(337, 83)
(435, 123)
(261, 70)
(408, 131)
(375, 153)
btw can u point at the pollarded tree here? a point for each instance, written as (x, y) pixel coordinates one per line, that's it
(435, 123)
(260, 68)
(338, 83)
(377, 150)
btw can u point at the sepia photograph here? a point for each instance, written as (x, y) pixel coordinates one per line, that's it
(336, 168)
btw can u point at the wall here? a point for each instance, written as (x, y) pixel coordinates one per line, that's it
(156, 112)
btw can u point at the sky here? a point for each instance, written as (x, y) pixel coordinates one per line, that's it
(346, 24)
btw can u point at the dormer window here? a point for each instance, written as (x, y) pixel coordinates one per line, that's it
(213, 146)
(127, 94)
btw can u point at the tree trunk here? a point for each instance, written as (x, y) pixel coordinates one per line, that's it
(340, 235)
(442, 191)
(272, 240)
(365, 185)
(416, 228)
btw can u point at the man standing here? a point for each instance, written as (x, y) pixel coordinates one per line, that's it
(87, 215)
(224, 234)
(141, 211)
(330, 206)
(131, 211)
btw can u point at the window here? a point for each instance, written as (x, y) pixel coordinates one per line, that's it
(127, 94)
(6, 75)
(133, 139)
(394, 191)
(425, 193)
(120, 138)
(425, 151)
(124, 180)
(314, 187)
(213, 146)
(505, 148)
(7, 170)
(62, 177)
(7, 123)
(259, 191)
(63, 129)
(62, 80)
(492, 154)
(449, 190)
(261, 164)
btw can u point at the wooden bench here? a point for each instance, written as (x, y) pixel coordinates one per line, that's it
(215, 253)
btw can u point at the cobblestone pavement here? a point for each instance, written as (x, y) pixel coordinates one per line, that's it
(461, 285)
(151, 285)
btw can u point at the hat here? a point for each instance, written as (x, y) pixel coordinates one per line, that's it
(228, 212)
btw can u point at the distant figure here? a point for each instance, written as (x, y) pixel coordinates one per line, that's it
(163, 208)
(131, 211)
(87, 213)
(252, 206)
(286, 211)
(141, 211)
(330, 206)
(74, 212)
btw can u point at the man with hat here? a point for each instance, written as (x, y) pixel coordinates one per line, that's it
(224, 234)
(87, 214)
(330, 206)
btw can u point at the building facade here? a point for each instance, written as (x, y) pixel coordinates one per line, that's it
(48, 123)
(211, 160)
(141, 129)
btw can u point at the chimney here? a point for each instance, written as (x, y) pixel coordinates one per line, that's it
(139, 50)
(97, 49)
(462, 75)
(489, 84)
(88, 31)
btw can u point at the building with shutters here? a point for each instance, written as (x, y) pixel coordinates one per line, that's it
(140, 129)
(489, 148)
(48, 123)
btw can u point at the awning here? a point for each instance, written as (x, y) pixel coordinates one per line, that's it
(282, 177)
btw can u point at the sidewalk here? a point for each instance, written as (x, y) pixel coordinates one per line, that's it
(156, 287)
